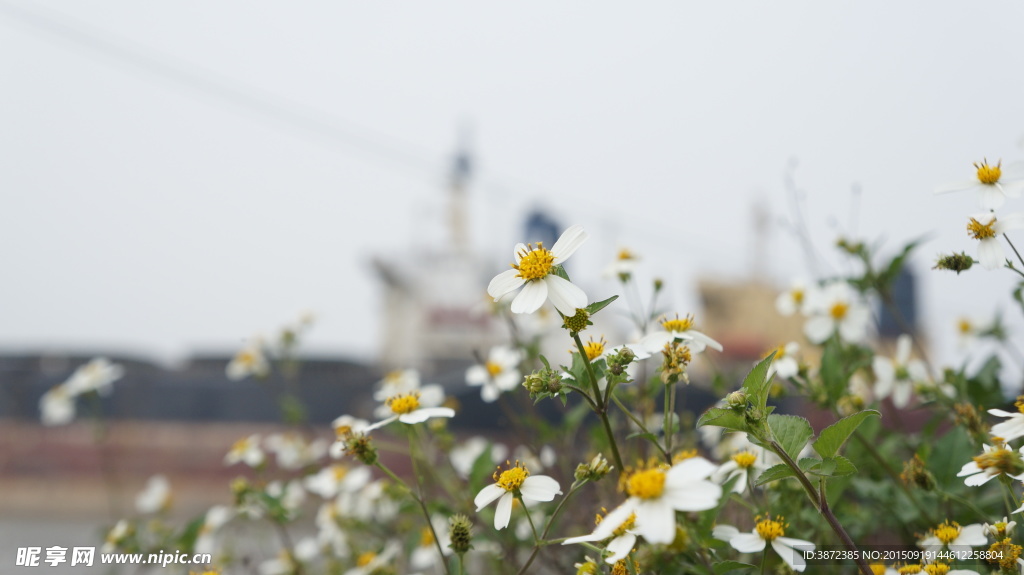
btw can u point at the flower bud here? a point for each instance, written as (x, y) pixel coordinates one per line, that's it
(737, 400)
(460, 531)
(960, 262)
(596, 469)
(360, 446)
(578, 322)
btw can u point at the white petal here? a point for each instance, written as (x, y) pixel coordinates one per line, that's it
(1009, 222)
(531, 298)
(1001, 413)
(795, 559)
(724, 532)
(567, 244)
(990, 253)
(705, 339)
(1010, 429)
(688, 470)
(620, 547)
(655, 342)
(504, 512)
(747, 543)
(818, 329)
(901, 394)
(424, 413)
(518, 251)
(693, 496)
(539, 488)
(477, 375)
(655, 521)
(503, 283)
(957, 187)
(615, 519)
(991, 198)
(582, 539)
(972, 535)
(979, 479)
(903, 348)
(969, 468)
(489, 393)
(379, 424)
(487, 495)
(565, 295)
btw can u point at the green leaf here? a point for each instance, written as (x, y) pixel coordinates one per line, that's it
(727, 418)
(756, 382)
(730, 566)
(791, 431)
(600, 305)
(774, 473)
(837, 466)
(832, 438)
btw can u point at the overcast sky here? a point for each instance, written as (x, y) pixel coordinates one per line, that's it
(181, 175)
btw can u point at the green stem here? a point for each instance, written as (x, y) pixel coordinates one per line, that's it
(641, 425)
(1014, 248)
(666, 426)
(870, 448)
(966, 503)
(423, 506)
(575, 487)
(602, 409)
(419, 499)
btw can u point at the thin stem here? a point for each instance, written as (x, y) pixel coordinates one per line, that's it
(639, 424)
(423, 506)
(1014, 248)
(536, 538)
(966, 503)
(602, 409)
(867, 445)
(668, 418)
(551, 520)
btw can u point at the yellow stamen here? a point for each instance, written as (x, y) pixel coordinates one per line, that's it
(744, 459)
(677, 325)
(947, 532)
(493, 368)
(684, 455)
(594, 349)
(405, 403)
(989, 174)
(999, 458)
(769, 529)
(877, 568)
(798, 295)
(936, 569)
(426, 537)
(1019, 404)
(964, 326)
(512, 478)
(909, 569)
(534, 263)
(980, 231)
(838, 310)
(625, 254)
(365, 558)
(647, 484)
(340, 471)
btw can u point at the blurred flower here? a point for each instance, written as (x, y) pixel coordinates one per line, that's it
(1013, 427)
(500, 373)
(746, 465)
(397, 382)
(836, 308)
(623, 266)
(623, 537)
(898, 375)
(784, 364)
(994, 461)
(333, 479)
(290, 494)
(413, 407)
(766, 531)
(97, 375)
(369, 562)
(250, 360)
(215, 518)
(293, 451)
(121, 531)
(515, 481)
(984, 228)
(794, 299)
(425, 555)
(464, 455)
(155, 497)
(655, 494)
(246, 450)
(993, 183)
(954, 537)
(57, 406)
(682, 329)
(533, 271)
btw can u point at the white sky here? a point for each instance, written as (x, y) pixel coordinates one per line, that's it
(163, 190)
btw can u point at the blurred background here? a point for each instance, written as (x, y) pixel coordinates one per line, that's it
(180, 178)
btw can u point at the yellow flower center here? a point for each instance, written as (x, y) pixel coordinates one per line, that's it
(999, 458)
(770, 529)
(989, 174)
(340, 471)
(936, 569)
(909, 569)
(647, 484)
(625, 254)
(628, 524)
(780, 352)
(877, 568)
(980, 231)
(964, 326)
(1019, 404)
(365, 558)
(677, 324)
(342, 431)
(493, 368)
(241, 445)
(947, 532)
(838, 310)
(684, 455)
(798, 295)
(744, 459)
(246, 358)
(426, 537)
(534, 263)
(594, 349)
(405, 403)
(512, 478)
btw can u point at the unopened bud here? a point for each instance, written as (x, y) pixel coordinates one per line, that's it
(460, 530)
(577, 322)
(596, 469)
(360, 446)
(617, 362)
(737, 400)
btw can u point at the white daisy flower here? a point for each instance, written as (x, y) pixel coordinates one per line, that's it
(836, 307)
(250, 360)
(794, 299)
(283, 564)
(1013, 427)
(986, 228)
(533, 271)
(293, 451)
(413, 407)
(290, 494)
(369, 561)
(500, 373)
(746, 465)
(623, 538)
(898, 375)
(656, 494)
(766, 531)
(785, 364)
(246, 450)
(57, 406)
(993, 183)
(999, 529)
(515, 481)
(97, 375)
(344, 427)
(334, 479)
(330, 534)
(682, 329)
(156, 496)
(954, 537)
(623, 266)
(994, 461)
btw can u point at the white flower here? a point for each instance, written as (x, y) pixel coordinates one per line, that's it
(291, 495)
(986, 228)
(656, 494)
(534, 272)
(954, 537)
(57, 406)
(334, 479)
(215, 518)
(292, 450)
(794, 299)
(330, 534)
(766, 531)
(413, 407)
(397, 382)
(250, 360)
(784, 364)
(623, 538)
(1013, 427)
(116, 535)
(898, 375)
(155, 497)
(500, 373)
(246, 450)
(369, 561)
(345, 427)
(623, 266)
(681, 329)
(97, 375)
(510, 483)
(425, 555)
(746, 465)
(836, 307)
(999, 529)
(993, 461)
(991, 184)
(464, 455)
